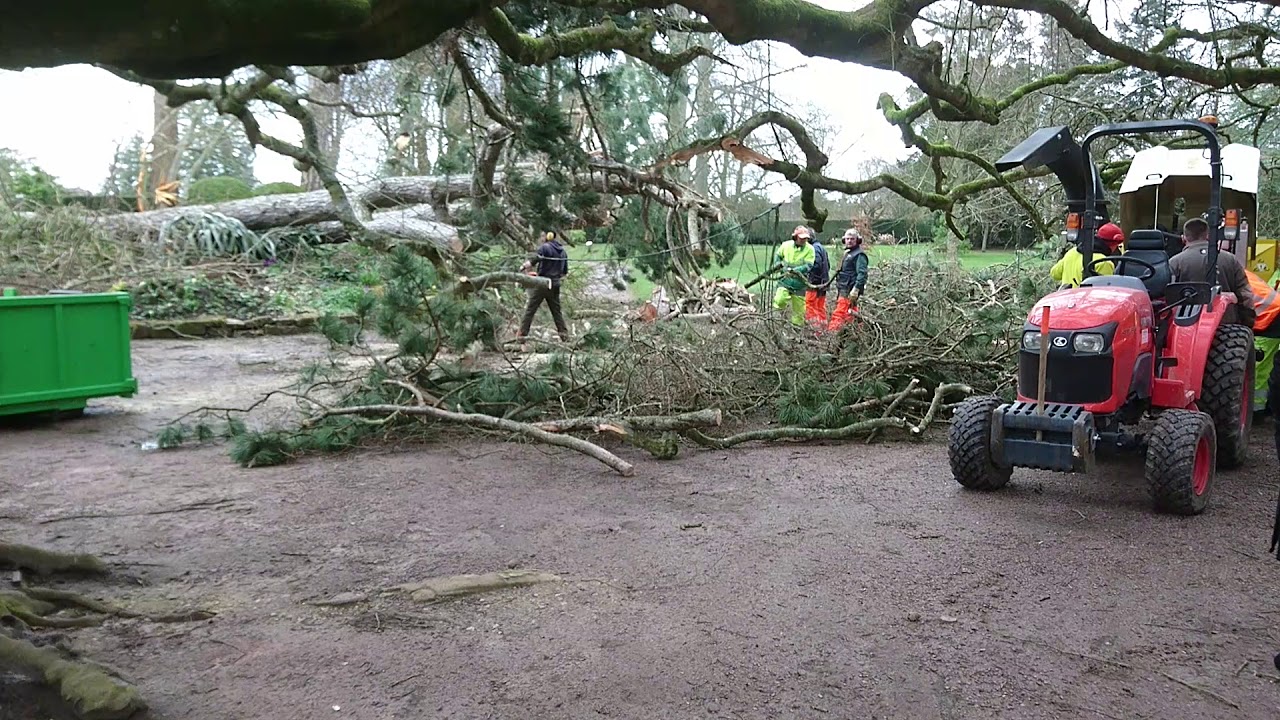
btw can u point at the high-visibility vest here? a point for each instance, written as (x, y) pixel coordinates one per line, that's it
(1266, 300)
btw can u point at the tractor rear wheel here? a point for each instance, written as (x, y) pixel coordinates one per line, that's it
(969, 446)
(1181, 453)
(1227, 392)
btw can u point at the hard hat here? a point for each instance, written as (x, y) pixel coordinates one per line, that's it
(852, 234)
(550, 236)
(1111, 234)
(801, 230)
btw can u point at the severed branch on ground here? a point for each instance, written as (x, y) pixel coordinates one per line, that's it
(487, 422)
(623, 426)
(845, 432)
(922, 342)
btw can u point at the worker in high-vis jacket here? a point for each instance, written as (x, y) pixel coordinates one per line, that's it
(1266, 333)
(1069, 270)
(797, 257)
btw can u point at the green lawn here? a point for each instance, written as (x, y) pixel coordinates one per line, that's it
(751, 260)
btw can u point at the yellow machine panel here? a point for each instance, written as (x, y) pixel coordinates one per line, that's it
(1262, 260)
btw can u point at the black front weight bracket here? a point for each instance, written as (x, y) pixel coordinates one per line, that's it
(1063, 439)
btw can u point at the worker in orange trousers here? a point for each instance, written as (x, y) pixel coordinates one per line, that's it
(851, 280)
(815, 298)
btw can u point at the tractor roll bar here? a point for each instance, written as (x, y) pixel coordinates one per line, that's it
(1089, 224)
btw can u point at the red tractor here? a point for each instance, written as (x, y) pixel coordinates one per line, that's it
(1125, 361)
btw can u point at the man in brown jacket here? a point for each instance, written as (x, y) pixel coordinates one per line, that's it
(1190, 266)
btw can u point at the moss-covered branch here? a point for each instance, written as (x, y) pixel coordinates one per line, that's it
(602, 38)
(48, 562)
(87, 688)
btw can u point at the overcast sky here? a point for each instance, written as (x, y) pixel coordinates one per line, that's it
(69, 120)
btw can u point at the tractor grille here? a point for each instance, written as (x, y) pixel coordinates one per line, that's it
(1072, 379)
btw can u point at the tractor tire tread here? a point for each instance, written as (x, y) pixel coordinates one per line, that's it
(1231, 358)
(1171, 452)
(969, 446)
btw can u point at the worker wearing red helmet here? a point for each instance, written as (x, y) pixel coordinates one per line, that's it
(1069, 270)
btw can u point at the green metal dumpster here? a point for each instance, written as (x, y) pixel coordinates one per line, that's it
(58, 351)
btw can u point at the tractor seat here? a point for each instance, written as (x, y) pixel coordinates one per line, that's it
(1123, 281)
(1148, 245)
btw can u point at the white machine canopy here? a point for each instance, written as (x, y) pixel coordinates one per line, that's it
(1240, 165)
(1158, 177)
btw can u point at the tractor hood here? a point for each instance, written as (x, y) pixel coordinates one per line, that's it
(1090, 307)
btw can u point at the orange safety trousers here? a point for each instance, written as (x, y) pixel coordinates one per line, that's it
(815, 308)
(843, 314)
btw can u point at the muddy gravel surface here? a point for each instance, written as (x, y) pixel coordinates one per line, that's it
(789, 581)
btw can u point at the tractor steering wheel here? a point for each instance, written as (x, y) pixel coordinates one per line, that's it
(1120, 260)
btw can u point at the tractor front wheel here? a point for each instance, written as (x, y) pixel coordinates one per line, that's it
(1182, 452)
(1227, 392)
(969, 446)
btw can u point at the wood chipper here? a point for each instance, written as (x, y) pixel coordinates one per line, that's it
(1131, 360)
(1166, 186)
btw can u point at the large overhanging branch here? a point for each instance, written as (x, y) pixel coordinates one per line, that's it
(810, 177)
(208, 38)
(605, 37)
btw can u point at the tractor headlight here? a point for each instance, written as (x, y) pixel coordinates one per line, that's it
(1088, 342)
(1031, 340)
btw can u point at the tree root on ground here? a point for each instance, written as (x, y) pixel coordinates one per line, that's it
(445, 588)
(48, 562)
(91, 692)
(88, 688)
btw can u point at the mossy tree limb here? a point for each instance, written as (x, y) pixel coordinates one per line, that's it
(602, 38)
(90, 691)
(48, 562)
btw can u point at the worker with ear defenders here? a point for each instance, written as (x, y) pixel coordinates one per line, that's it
(797, 257)
(851, 281)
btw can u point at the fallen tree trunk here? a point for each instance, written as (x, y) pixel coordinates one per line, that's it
(417, 223)
(414, 208)
(310, 208)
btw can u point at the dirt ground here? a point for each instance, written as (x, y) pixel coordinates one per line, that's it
(772, 582)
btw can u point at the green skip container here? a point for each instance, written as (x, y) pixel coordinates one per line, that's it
(58, 351)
